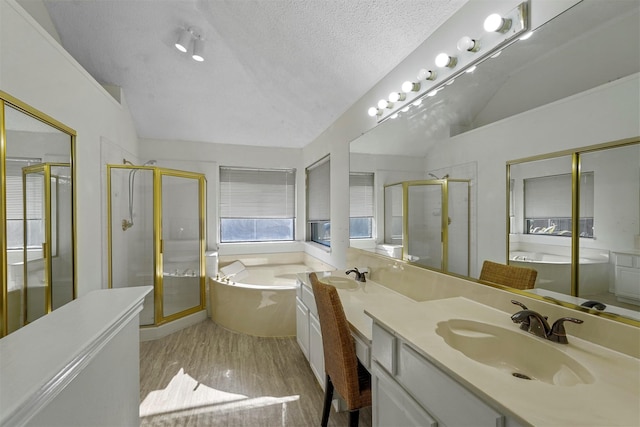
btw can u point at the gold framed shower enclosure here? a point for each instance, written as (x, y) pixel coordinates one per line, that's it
(156, 236)
(436, 227)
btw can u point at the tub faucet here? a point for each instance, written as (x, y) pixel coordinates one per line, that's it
(359, 275)
(594, 304)
(539, 327)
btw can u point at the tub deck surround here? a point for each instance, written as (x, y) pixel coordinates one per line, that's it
(611, 399)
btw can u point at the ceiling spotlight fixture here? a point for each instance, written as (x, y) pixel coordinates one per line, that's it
(189, 37)
(373, 111)
(425, 74)
(198, 45)
(467, 44)
(444, 60)
(397, 96)
(496, 24)
(184, 41)
(410, 87)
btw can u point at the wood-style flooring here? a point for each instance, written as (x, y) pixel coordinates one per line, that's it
(205, 375)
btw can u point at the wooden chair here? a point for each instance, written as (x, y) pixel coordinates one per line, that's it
(508, 275)
(343, 370)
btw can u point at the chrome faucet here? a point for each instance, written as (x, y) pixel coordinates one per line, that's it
(359, 275)
(538, 326)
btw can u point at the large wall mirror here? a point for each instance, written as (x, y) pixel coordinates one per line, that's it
(577, 50)
(38, 249)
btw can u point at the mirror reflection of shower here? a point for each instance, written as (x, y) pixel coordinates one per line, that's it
(128, 223)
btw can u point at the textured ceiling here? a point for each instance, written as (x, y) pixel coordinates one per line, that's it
(276, 72)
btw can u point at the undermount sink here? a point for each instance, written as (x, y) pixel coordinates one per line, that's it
(340, 282)
(513, 352)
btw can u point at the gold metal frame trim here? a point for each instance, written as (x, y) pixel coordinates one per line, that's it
(575, 154)
(158, 250)
(15, 103)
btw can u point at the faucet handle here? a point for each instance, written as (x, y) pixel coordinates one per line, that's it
(558, 333)
(524, 325)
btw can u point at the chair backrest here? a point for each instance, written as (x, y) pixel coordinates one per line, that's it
(508, 275)
(340, 360)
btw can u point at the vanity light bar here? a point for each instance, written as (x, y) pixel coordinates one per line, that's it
(500, 32)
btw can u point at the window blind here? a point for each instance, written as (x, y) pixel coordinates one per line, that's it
(361, 195)
(318, 193)
(257, 193)
(550, 196)
(35, 190)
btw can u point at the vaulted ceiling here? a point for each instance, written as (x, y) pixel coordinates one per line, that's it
(276, 72)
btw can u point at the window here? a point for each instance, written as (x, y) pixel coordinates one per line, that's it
(257, 205)
(361, 205)
(547, 205)
(14, 210)
(318, 202)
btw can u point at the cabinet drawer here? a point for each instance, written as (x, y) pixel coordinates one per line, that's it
(440, 395)
(363, 352)
(623, 260)
(392, 406)
(309, 300)
(383, 348)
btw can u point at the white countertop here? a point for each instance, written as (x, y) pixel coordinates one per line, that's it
(46, 354)
(613, 398)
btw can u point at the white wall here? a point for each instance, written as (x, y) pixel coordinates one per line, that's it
(36, 70)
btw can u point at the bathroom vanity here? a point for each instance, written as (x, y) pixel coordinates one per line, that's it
(457, 361)
(627, 276)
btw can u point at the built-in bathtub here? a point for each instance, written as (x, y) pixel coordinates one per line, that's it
(554, 271)
(258, 300)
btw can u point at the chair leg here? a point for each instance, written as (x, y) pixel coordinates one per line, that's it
(353, 418)
(328, 397)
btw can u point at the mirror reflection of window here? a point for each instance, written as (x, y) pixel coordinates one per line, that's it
(361, 205)
(548, 210)
(318, 202)
(15, 215)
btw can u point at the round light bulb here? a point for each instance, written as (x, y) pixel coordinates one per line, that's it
(467, 44)
(406, 109)
(394, 116)
(396, 96)
(432, 93)
(444, 60)
(373, 111)
(417, 102)
(425, 74)
(410, 87)
(383, 103)
(496, 23)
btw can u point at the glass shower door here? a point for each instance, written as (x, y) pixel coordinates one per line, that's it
(182, 242)
(61, 237)
(36, 271)
(424, 224)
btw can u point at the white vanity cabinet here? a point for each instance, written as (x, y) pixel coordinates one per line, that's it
(308, 333)
(627, 276)
(410, 390)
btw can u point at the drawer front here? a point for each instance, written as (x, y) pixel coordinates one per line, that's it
(309, 300)
(440, 395)
(623, 260)
(392, 406)
(363, 352)
(383, 347)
